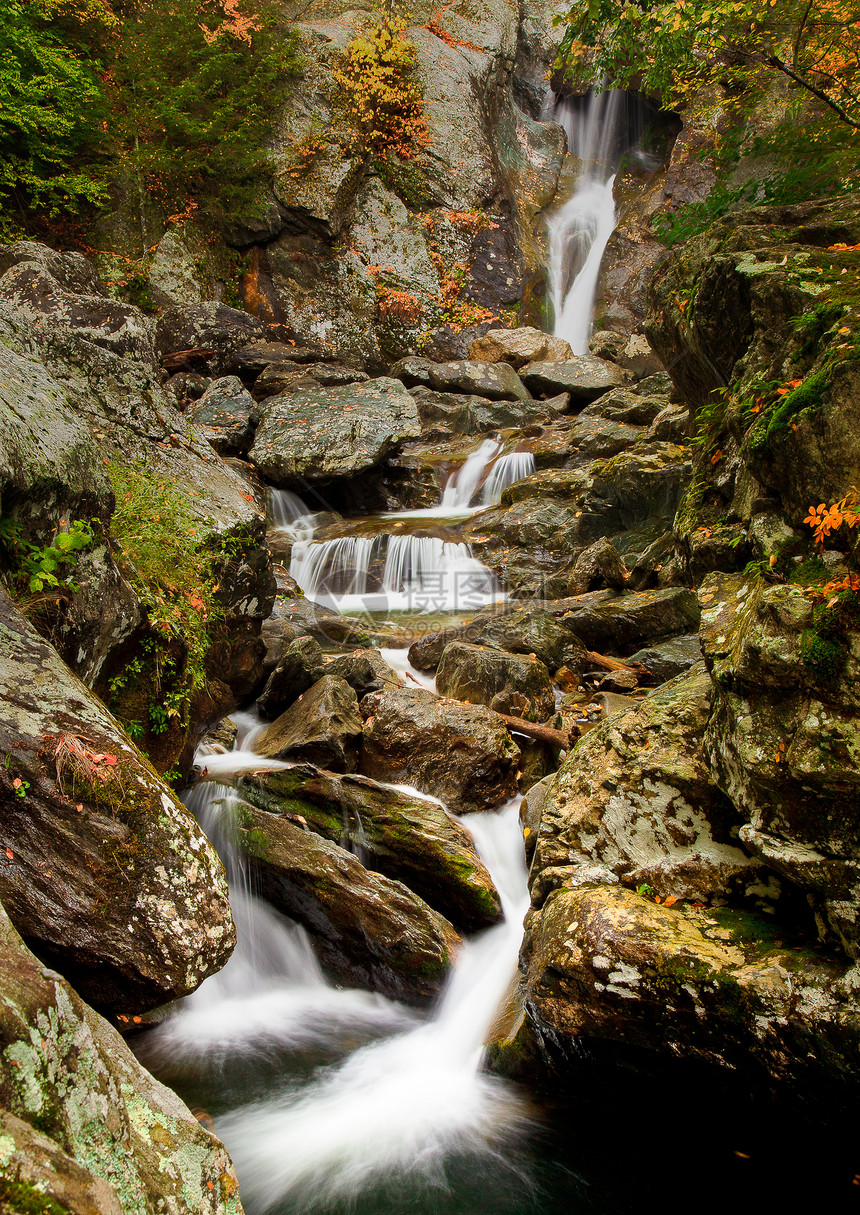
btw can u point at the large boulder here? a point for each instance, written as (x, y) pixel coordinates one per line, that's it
(784, 739)
(319, 434)
(371, 931)
(635, 802)
(323, 727)
(459, 753)
(62, 291)
(529, 630)
(625, 622)
(299, 667)
(105, 873)
(410, 839)
(211, 327)
(226, 415)
(518, 347)
(496, 381)
(509, 683)
(83, 1127)
(584, 376)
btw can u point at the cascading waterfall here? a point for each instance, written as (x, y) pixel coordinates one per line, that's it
(462, 486)
(506, 470)
(421, 574)
(580, 230)
(290, 514)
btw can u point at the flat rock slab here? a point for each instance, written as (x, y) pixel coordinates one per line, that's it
(626, 622)
(407, 838)
(320, 434)
(584, 376)
(460, 753)
(102, 869)
(518, 684)
(83, 1123)
(519, 631)
(497, 381)
(371, 931)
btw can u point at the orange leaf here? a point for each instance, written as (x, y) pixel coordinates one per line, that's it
(670, 900)
(10, 853)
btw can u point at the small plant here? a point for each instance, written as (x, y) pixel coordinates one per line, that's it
(43, 568)
(645, 891)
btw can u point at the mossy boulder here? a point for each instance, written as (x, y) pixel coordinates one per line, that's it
(83, 1127)
(104, 872)
(459, 753)
(370, 931)
(407, 838)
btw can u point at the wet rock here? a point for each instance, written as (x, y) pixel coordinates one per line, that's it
(638, 358)
(299, 666)
(317, 435)
(364, 670)
(207, 326)
(598, 565)
(250, 361)
(496, 381)
(283, 377)
(584, 377)
(518, 347)
(105, 872)
(517, 631)
(333, 375)
(323, 727)
(461, 754)
(226, 415)
(407, 838)
(412, 370)
(625, 405)
(370, 931)
(531, 811)
(635, 797)
(606, 965)
(463, 414)
(187, 386)
(783, 740)
(322, 623)
(515, 684)
(63, 291)
(85, 1128)
(670, 658)
(276, 634)
(625, 622)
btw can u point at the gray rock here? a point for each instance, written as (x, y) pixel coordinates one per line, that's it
(318, 435)
(322, 727)
(173, 274)
(584, 377)
(412, 370)
(597, 566)
(226, 415)
(364, 670)
(518, 347)
(670, 658)
(206, 326)
(497, 381)
(299, 666)
(625, 622)
(105, 871)
(250, 361)
(515, 631)
(85, 1127)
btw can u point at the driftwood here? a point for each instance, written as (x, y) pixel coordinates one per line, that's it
(186, 360)
(602, 662)
(556, 738)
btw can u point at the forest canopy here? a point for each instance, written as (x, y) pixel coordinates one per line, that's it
(169, 98)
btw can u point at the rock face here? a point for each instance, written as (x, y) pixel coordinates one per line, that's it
(409, 839)
(104, 872)
(83, 1126)
(516, 684)
(784, 743)
(323, 727)
(371, 931)
(299, 667)
(319, 434)
(461, 754)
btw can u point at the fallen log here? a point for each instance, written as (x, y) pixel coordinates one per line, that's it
(603, 662)
(556, 738)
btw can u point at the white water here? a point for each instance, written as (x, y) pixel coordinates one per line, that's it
(580, 230)
(399, 1107)
(398, 659)
(506, 470)
(288, 513)
(421, 574)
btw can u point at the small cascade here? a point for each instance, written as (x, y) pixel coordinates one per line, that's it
(421, 574)
(462, 485)
(504, 472)
(580, 230)
(288, 513)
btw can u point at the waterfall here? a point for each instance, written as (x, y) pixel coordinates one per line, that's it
(506, 470)
(580, 230)
(462, 485)
(289, 513)
(421, 574)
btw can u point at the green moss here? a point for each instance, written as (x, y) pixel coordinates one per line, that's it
(22, 1198)
(824, 656)
(256, 842)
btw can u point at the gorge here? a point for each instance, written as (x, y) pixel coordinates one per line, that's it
(431, 618)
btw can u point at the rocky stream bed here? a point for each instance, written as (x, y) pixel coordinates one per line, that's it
(531, 762)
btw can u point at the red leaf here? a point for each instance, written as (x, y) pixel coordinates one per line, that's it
(10, 853)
